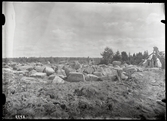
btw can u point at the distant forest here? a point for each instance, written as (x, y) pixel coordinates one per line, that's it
(108, 56)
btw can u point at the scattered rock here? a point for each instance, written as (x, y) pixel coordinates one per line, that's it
(32, 72)
(28, 79)
(38, 74)
(48, 71)
(88, 70)
(68, 70)
(130, 70)
(75, 77)
(25, 72)
(51, 77)
(75, 65)
(22, 68)
(61, 72)
(6, 70)
(91, 77)
(57, 79)
(39, 68)
(123, 76)
(99, 74)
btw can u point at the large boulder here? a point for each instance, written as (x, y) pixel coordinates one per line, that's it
(91, 77)
(88, 70)
(51, 77)
(68, 69)
(32, 80)
(48, 70)
(38, 74)
(60, 66)
(57, 79)
(32, 64)
(109, 72)
(16, 66)
(7, 70)
(28, 79)
(75, 77)
(99, 74)
(54, 67)
(24, 72)
(130, 70)
(39, 68)
(32, 72)
(75, 65)
(116, 63)
(13, 64)
(61, 73)
(6, 66)
(99, 69)
(123, 76)
(22, 68)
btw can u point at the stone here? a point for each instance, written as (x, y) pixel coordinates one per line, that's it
(51, 77)
(54, 67)
(32, 64)
(6, 70)
(75, 77)
(130, 70)
(123, 76)
(57, 79)
(38, 74)
(32, 72)
(24, 72)
(88, 70)
(48, 70)
(61, 72)
(99, 74)
(110, 65)
(29, 80)
(39, 68)
(22, 68)
(91, 77)
(103, 65)
(13, 64)
(116, 63)
(68, 70)
(75, 65)
(6, 66)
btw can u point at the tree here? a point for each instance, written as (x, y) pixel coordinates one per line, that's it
(139, 57)
(145, 55)
(107, 55)
(117, 56)
(124, 56)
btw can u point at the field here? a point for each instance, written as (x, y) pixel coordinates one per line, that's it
(138, 97)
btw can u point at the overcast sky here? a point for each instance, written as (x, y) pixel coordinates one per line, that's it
(34, 29)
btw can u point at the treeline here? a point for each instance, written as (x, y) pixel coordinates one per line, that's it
(52, 60)
(108, 56)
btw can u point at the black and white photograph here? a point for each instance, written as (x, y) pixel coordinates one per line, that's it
(83, 60)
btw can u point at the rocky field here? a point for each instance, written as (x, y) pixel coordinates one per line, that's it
(71, 91)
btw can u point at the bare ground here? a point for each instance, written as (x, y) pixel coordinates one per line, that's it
(138, 97)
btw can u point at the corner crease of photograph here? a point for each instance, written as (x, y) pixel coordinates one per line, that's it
(8, 29)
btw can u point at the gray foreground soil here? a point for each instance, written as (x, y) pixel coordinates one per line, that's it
(137, 97)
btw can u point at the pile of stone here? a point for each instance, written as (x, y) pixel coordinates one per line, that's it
(72, 72)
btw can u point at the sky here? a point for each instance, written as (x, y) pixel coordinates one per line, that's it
(76, 29)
